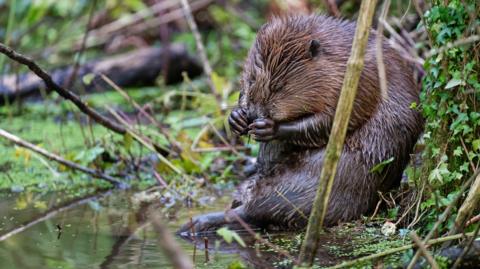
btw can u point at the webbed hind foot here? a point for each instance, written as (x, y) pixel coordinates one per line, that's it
(209, 223)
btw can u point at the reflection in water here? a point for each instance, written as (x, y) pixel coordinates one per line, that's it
(112, 230)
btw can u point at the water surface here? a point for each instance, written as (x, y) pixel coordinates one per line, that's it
(112, 230)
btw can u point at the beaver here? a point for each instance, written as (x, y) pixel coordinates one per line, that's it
(290, 87)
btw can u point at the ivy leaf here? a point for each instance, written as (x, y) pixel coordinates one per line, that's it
(229, 236)
(457, 151)
(453, 83)
(476, 144)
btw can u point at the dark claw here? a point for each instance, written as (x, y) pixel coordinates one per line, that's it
(238, 122)
(263, 130)
(236, 128)
(263, 138)
(261, 124)
(238, 117)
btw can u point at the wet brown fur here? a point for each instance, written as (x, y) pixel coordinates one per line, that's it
(283, 82)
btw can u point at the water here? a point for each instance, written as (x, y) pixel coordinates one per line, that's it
(111, 230)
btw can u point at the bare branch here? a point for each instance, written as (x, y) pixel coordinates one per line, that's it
(51, 85)
(339, 129)
(95, 173)
(423, 249)
(201, 49)
(379, 51)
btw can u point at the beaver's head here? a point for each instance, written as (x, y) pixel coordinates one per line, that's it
(295, 67)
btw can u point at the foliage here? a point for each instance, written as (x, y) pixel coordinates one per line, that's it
(229, 236)
(450, 102)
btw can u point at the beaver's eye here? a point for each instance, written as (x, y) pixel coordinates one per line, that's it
(314, 48)
(278, 87)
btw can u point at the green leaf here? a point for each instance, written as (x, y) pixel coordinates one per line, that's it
(458, 151)
(378, 168)
(127, 141)
(453, 83)
(476, 144)
(229, 236)
(236, 265)
(88, 78)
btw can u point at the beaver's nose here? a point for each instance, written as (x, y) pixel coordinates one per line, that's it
(253, 113)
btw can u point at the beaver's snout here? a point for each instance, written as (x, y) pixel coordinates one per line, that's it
(255, 112)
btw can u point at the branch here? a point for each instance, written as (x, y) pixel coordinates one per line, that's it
(382, 75)
(95, 173)
(107, 123)
(201, 49)
(350, 264)
(468, 207)
(339, 129)
(444, 216)
(424, 250)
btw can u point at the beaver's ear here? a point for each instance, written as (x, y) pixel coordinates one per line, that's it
(314, 48)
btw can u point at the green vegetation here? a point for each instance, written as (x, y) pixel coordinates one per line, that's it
(450, 102)
(190, 124)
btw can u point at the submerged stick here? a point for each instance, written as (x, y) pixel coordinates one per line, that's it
(95, 173)
(339, 129)
(50, 214)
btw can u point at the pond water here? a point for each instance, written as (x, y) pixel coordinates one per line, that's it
(111, 230)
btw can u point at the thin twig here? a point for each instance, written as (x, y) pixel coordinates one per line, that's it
(201, 49)
(444, 216)
(106, 122)
(466, 249)
(163, 131)
(468, 207)
(382, 76)
(473, 220)
(421, 246)
(95, 173)
(73, 74)
(140, 21)
(145, 142)
(456, 43)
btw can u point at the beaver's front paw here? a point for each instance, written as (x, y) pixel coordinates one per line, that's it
(238, 121)
(263, 130)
